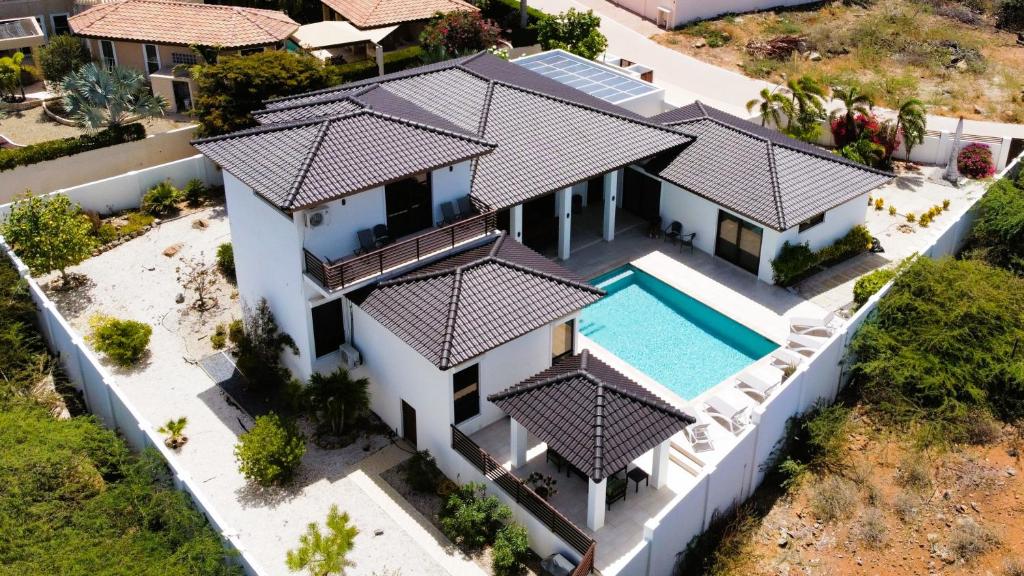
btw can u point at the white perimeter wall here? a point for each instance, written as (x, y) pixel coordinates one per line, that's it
(683, 11)
(269, 264)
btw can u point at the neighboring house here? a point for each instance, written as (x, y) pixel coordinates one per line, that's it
(21, 35)
(675, 13)
(338, 42)
(409, 16)
(401, 226)
(51, 15)
(157, 38)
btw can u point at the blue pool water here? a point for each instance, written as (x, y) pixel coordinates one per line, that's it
(676, 340)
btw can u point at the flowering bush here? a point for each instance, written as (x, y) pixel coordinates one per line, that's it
(975, 161)
(867, 127)
(458, 33)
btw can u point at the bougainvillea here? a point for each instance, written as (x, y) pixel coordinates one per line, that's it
(975, 161)
(458, 33)
(869, 126)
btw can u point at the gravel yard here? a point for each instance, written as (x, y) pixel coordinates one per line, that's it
(34, 126)
(136, 281)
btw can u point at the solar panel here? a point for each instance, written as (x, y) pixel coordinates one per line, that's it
(590, 77)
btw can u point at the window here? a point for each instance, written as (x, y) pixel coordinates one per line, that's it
(466, 393)
(184, 58)
(152, 58)
(812, 222)
(561, 340)
(60, 24)
(107, 51)
(328, 328)
(42, 25)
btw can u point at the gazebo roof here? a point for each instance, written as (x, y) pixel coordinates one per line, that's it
(594, 416)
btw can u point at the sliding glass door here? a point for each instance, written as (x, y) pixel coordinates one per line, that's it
(738, 242)
(408, 204)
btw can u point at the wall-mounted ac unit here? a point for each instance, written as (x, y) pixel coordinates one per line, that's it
(350, 357)
(318, 218)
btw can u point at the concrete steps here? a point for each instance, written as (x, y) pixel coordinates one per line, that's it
(682, 457)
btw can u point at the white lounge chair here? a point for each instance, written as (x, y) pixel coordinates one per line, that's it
(731, 413)
(805, 345)
(757, 385)
(813, 326)
(783, 358)
(697, 433)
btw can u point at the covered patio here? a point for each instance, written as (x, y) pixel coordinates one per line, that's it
(596, 426)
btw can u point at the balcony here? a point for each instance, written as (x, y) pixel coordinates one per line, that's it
(356, 269)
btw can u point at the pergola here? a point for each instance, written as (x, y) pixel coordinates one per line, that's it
(595, 418)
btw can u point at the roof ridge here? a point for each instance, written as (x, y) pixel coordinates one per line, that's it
(307, 161)
(598, 429)
(107, 10)
(776, 187)
(497, 245)
(700, 106)
(431, 128)
(546, 275)
(248, 15)
(485, 110)
(262, 128)
(449, 325)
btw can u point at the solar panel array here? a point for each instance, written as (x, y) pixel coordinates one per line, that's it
(11, 29)
(590, 77)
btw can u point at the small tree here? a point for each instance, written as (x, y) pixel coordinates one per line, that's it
(471, 517)
(458, 33)
(10, 74)
(99, 98)
(61, 56)
(261, 345)
(226, 260)
(511, 547)
(573, 31)
(271, 452)
(337, 401)
(49, 233)
(325, 554)
(200, 278)
(231, 89)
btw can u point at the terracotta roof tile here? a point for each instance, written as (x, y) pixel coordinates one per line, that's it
(375, 13)
(183, 23)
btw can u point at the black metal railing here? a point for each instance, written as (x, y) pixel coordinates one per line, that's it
(527, 498)
(365, 266)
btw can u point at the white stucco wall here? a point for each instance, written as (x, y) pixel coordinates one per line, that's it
(838, 222)
(268, 264)
(449, 184)
(336, 237)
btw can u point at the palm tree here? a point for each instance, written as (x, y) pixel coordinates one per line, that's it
(324, 555)
(769, 105)
(524, 16)
(337, 400)
(807, 96)
(99, 98)
(865, 152)
(911, 120)
(855, 102)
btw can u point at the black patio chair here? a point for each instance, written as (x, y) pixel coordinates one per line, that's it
(366, 241)
(654, 228)
(465, 207)
(615, 490)
(687, 240)
(380, 235)
(448, 214)
(673, 232)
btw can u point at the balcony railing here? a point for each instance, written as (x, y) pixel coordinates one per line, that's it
(335, 275)
(528, 499)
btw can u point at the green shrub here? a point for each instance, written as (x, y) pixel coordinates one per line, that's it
(422, 473)
(573, 31)
(1011, 15)
(236, 331)
(271, 452)
(226, 260)
(794, 261)
(11, 158)
(194, 192)
(220, 336)
(123, 341)
(260, 347)
(61, 56)
(394, 61)
(161, 199)
(510, 550)
(998, 232)
(506, 14)
(869, 284)
(471, 518)
(49, 233)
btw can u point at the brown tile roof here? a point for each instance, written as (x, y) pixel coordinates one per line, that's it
(457, 308)
(591, 414)
(780, 182)
(300, 164)
(183, 23)
(375, 13)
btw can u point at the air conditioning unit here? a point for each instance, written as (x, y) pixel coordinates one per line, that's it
(318, 218)
(350, 357)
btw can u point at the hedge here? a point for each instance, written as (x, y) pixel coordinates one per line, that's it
(11, 158)
(393, 62)
(796, 261)
(506, 14)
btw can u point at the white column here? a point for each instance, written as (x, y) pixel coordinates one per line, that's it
(515, 223)
(518, 443)
(379, 53)
(659, 472)
(563, 208)
(596, 504)
(1004, 153)
(610, 203)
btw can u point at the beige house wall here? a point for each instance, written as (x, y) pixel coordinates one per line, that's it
(45, 177)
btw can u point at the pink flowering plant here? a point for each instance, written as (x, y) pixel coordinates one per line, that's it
(458, 33)
(975, 161)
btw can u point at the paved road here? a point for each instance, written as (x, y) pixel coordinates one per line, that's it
(686, 79)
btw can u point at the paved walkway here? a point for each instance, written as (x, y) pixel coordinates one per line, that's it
(686, 79)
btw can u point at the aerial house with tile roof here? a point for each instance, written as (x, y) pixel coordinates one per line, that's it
(418, 228)
(403, 20)
(156, 36)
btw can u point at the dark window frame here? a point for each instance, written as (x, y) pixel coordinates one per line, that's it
(811, 222)
(466, 393)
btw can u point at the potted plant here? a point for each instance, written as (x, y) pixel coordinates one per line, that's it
(543, 485)
(174, 429)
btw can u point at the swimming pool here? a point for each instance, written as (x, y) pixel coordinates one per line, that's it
(685, 345)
